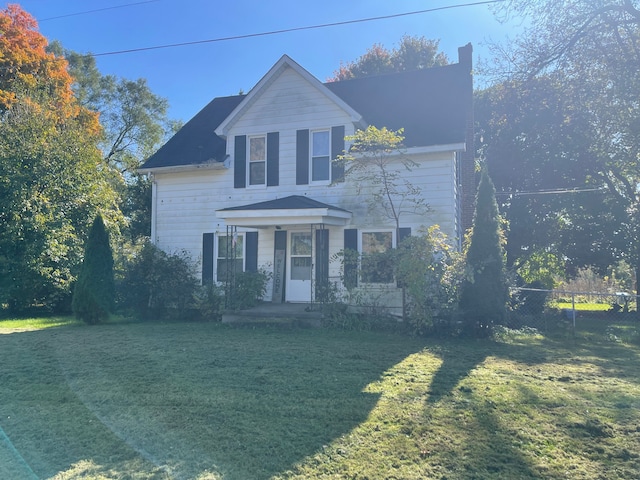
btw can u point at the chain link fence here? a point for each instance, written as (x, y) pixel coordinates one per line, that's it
(549, 310)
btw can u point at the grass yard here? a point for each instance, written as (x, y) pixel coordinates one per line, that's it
(205, 401)
(589, 307)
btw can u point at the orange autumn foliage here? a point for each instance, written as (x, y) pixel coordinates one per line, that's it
(31, 74)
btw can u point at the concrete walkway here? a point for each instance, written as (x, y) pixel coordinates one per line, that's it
(303, 314)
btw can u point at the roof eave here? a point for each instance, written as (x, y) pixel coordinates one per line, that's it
(447, 147)
(185, 168)
(260, 218)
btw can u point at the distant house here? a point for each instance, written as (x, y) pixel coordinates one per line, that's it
(249, 182)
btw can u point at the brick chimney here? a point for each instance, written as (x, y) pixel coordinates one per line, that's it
(467, 158)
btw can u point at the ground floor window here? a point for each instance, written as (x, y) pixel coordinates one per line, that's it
(229, 256)
(376, 264)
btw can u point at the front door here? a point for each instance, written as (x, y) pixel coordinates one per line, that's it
(299, 267)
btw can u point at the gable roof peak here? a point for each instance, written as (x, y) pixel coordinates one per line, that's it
(274, 72)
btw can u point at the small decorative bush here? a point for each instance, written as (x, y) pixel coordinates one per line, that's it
(247, 289)
(209, 302)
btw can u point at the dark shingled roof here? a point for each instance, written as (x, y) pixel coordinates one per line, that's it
(430, 104)
(196, 143)
(293, 202)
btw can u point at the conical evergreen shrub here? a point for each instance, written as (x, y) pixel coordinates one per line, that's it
(484, 291)
(94, 293)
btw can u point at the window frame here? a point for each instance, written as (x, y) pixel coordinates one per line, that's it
(311, 156)
(218, 258)
(361, 233)
(250, 161)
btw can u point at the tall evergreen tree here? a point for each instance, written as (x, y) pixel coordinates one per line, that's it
(484, 291)
(94, 293)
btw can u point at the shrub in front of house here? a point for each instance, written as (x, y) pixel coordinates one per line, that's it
(208, 302)
(246, 289)
(423, 264)
(157, 285)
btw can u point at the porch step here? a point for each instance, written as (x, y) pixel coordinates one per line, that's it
(289, 314)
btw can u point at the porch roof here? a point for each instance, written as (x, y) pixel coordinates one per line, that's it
(291, 210)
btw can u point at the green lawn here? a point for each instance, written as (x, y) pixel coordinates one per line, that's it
(591, 307)
(205, 401)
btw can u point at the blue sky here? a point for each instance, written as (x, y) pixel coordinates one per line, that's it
(190, 76)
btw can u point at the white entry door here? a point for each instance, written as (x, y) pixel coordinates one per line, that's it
(298, 285)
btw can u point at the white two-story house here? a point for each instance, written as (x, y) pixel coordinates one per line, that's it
(249, 182)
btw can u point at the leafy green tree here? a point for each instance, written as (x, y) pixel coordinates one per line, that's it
(543, 268)
(94, 293)
(379, 169)
(413, 53)
(534, 142)
(134, 119)
(135, 124)
(484, 292)
(593, 48)
(52, 183)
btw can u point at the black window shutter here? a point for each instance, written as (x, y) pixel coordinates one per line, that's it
(322, 264)
(207, 258)
(403, 233)
(273, 159)
(240, 162)
(351, 258)
(251, 251)
(337, 148)
(302, 157)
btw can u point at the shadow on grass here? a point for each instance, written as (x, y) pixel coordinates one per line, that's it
(489, 452)
(459, 358)
(186, 400)
(581, 365)
(156, 401)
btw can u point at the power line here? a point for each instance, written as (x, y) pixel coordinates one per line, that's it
(40, 20)
(549, 192)
(293, 29)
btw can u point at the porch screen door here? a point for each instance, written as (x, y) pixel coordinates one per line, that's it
(299, 267)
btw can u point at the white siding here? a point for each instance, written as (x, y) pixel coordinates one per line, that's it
(186, 202)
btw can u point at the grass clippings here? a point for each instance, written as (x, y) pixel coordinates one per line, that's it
(205, 401)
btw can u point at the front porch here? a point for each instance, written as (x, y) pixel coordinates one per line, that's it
(269, 313)
(289, 237)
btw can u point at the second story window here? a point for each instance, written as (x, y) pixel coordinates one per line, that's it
(257, 160)
(321, 156)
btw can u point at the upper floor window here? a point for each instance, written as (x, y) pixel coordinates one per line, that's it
(257, 160)
(321, 156)
(315, 150)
